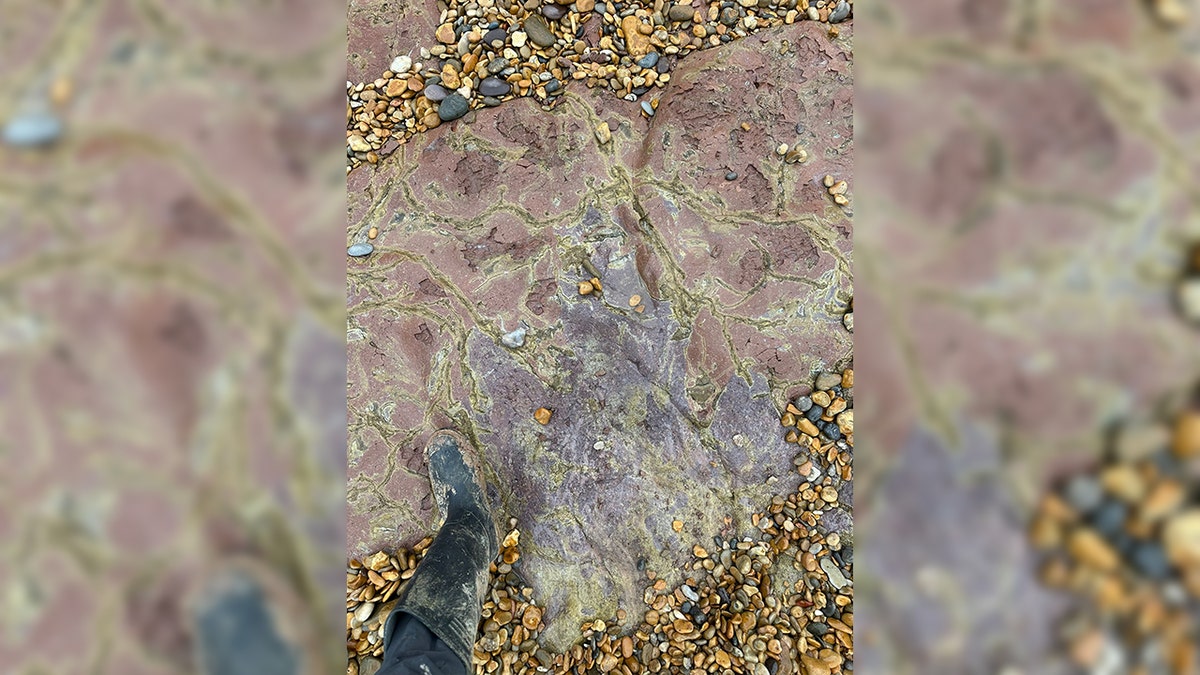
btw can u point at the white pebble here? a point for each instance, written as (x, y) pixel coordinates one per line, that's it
(401, 64)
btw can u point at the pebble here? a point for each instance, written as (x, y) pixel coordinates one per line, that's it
(840, 12)
(401, 64)
(848, 321)
(803, 403)
(1110, 518)
(1151, 560)
(453, 107)
(494, 86)
(539, 32)
(369, 665)
(1090, 549)
(32, 130)
(649, 60)
(647, 108)
(364, 611)
(828, 380)
(1084, 493)
(357, 143)
(603, 133)
(836, 578)
(1181, 536)
(496, 35)
(1187, 295)
(680, 13)
(732, 175)
(1185, 441)
(436, 93)
(360, 250)
(514, 339)
(554, 12)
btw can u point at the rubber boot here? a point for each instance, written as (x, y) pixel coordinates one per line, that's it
(446, 591)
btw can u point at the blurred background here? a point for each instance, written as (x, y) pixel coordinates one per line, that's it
(172, 349)
(1027, 174)
(172, 392)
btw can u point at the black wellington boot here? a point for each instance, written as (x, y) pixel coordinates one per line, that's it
(446, 591)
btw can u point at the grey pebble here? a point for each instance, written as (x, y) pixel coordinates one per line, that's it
(649, 60)
(732, 175)
(817, 628)
(496, 65)
(828, 380)
(804, 403)
(496, 34)
(435, 92)
(539, 32)
(689, 593)
(554, 12)
(494, 86)
(32, 130)
(647, 108)
(1084, 493)
(453, 107)
(514, 339)
(369, 665)
(814, 413)
(840, 12)
(553, 86)
(360, 250)
(836, 578)
(1109, 518)
(491, 101)
(680, 13)
(831, 431)
(1151, 560)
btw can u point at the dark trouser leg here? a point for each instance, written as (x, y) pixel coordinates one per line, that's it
(412, 649)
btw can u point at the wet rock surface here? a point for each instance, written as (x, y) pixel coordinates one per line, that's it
(670, 412)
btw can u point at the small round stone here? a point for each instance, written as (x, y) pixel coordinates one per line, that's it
(732, 175)
(494, 86)
(360, 250)
(828, 380)
(32, 130)
(401, 65)
(680, 13)
(436, 93)
(453, 107)
(1084, 493)
(647, 108)
(803, 403)
(840, 12)
(495, 35)
(649, 60)
(554, 12)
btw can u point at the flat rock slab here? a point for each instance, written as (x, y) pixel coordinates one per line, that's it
(668, 413)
